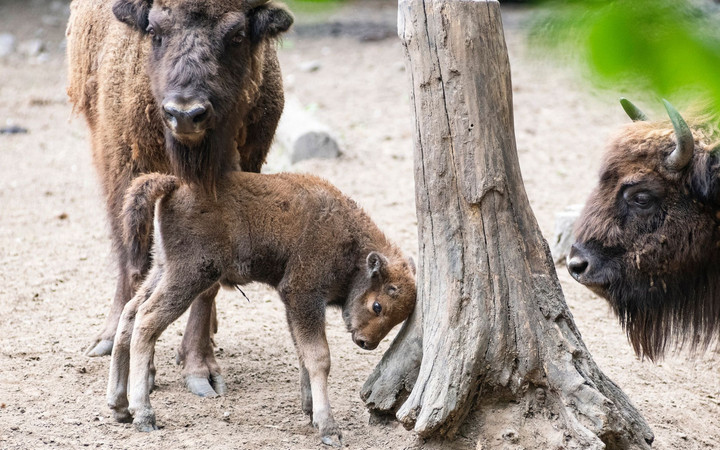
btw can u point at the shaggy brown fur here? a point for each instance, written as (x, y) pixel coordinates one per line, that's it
(648, 239)
(190, 87)
(294, 232)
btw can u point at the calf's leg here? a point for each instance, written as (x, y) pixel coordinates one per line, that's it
(305, 391)
(120, 360)
(196, 351)
(307, 325)
(171, 298)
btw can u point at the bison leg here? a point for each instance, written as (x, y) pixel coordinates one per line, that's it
(120, 361)
(305, 391)
(203, 376)
(103, 343)
(172, 297)
(307, 325)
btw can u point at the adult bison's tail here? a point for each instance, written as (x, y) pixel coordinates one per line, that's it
(137, 216)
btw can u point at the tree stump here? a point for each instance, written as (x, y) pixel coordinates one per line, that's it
(491, 329)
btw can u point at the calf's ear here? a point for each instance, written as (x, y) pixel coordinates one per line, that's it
(376, 264)
(411, 262)
(133, 12)
(268, 21)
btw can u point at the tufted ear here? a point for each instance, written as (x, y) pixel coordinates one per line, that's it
(133, 12)
(268, 21)
(376, 265)
(411, 262)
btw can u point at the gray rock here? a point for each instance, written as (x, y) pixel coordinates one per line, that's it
(563, 237)
(302, 136)
(310, 66)
(7, 44)
(52, 21)
(314, 144)
(32, 48)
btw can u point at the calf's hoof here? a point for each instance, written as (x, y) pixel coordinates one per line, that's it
(211, 387)
(329, 432)
(122, 415)
(333, 439)
(99, 347)
(145, 422)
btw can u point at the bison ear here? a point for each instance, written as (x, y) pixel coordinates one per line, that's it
(133, 12)
(411, 262)
(376, 264)
(268, 21)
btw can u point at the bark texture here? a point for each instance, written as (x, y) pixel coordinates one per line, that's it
(491, 327)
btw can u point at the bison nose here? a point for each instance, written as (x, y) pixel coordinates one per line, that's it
(577, 263)
(361, 343)
(187, 118)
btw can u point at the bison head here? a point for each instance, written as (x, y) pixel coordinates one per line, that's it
(205, 65)
(383, 295)
(648, 239)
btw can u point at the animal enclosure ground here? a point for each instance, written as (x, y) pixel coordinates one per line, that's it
(57, 278)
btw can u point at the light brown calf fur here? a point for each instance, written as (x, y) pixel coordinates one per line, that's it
(294, 232)
(141, 72)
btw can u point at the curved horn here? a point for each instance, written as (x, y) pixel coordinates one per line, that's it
(256, 3)
(683, 153)
(633, 111)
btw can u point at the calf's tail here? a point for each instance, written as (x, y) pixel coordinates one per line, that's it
(138, 214)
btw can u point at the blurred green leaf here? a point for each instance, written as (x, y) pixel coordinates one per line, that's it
(312, 7)
(665, 48)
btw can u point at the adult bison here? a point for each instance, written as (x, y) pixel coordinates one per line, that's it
(648, 239)
(189, 87)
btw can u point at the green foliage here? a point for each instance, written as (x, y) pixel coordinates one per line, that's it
(311, 7)
(667, 48)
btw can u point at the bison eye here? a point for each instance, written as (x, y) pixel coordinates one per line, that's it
(377, 307)
(156, 39)
(237, 39)
(642, 200)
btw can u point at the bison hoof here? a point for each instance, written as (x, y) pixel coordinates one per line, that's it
(145, 423)
(122, 416)
(333, 440)
(202, 387)
(218, 383)
(99, 347)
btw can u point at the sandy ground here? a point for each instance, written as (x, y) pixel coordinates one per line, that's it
(57, 276)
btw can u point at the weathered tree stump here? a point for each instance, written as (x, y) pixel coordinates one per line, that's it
(491, 328)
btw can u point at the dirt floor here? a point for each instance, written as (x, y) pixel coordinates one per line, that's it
(57, 275)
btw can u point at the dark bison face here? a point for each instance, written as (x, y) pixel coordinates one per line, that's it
(647, 239)
(205, 62)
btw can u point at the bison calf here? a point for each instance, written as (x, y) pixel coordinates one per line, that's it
(296, 233)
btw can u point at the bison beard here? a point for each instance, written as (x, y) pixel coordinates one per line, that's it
(200, 163)
(682, 308)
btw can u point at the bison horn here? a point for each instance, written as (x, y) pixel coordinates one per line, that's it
(256, 3)
(683, 153)
(633, 111)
